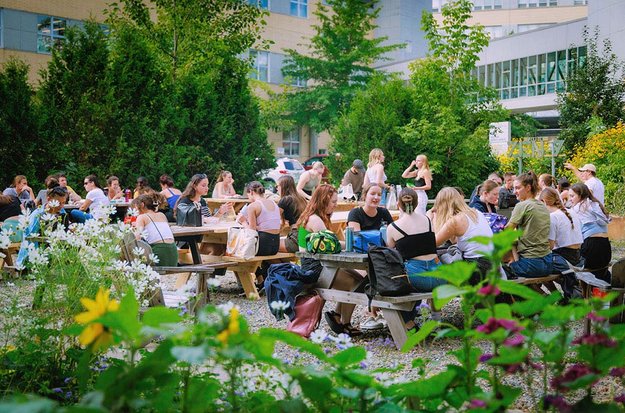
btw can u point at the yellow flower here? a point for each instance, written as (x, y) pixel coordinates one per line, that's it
(96, 333)
(233, 326)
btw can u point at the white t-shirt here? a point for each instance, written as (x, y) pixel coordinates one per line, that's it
(97, 198)
(561, 232)
(597, 189)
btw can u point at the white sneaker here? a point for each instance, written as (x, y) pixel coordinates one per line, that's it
(382, 320)
(370, 324)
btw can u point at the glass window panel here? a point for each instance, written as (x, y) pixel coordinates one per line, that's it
(515, 72)
(551, 67)
(498, 75)
(491, 75)
(514, 93)
(542, 68)
(481, 75)
(505, 94)
(44, 44)
(498, 4)
(531, 91)
(560, 86)
(523, 71)
(505, 74)
(44, 24)
(293, 9)
(531, 70)
(541, 88)
(58, 27)
(522, 91)
(561, 72)
(581, 52)
(551, 87)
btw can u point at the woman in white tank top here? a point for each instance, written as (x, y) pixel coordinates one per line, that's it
(154, 228)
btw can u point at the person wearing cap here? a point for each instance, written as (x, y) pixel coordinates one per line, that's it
(355, 176)
(588, 175)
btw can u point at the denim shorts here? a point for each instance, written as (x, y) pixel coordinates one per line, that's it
(423, 283)
(533, 267)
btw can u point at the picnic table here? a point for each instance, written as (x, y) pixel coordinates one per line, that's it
(391, 306)
(338, 221)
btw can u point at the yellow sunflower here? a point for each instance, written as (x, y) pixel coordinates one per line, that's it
(96, 333)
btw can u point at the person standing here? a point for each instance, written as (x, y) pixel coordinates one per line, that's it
(588, 175)
(355, 176)
(596, 248)
(310, 180)
(423, 179)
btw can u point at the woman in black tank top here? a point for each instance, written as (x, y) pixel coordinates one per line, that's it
(413, 237)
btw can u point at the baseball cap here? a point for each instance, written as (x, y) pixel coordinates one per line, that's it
(588, 167)
(358, 164)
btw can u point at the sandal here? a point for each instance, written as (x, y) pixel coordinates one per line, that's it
(351, 331)
(333, 319)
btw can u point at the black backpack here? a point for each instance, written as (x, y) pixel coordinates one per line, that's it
(387, 276)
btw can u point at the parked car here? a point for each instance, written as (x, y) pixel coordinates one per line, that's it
(318, 158)
(284, 166)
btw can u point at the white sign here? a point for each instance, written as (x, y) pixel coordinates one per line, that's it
(499, 137)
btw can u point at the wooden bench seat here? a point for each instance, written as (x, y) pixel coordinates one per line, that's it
(245, 269)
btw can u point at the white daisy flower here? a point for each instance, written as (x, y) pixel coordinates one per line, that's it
(279, 305)
(318, 336)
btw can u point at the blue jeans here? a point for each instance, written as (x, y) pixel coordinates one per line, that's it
(533, 267)
(80, 216)
(422, 283)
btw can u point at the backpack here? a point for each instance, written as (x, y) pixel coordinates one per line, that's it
(387, 275)
(363, 240)
(323, 242)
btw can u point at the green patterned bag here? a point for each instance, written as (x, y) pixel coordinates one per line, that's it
(323, 242)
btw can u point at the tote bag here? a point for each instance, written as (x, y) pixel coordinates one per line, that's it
(242, 243)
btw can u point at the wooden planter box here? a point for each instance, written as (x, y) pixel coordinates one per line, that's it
(616, 228)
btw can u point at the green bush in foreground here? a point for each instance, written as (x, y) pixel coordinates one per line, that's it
(217, 364)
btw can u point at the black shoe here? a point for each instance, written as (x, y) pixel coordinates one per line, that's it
(332, 318)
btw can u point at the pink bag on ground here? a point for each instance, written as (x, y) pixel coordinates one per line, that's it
(308, 309)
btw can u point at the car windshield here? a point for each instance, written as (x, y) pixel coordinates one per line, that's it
(293, 165)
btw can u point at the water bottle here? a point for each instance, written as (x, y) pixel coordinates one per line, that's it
(349, 239)
(383, 232)
(127, 195)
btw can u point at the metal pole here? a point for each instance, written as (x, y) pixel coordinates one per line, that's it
(553, 159)
(520, 157)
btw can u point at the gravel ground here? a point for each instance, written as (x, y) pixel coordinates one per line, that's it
(382, 352)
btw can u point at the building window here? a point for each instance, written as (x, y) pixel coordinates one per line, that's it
(260, 65)
(290, 142)
(299, 82)
(50, 33)
(299, 8)
(537, 3)
(263, 4)
(580, 3)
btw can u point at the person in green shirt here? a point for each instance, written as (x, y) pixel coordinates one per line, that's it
(532, 257)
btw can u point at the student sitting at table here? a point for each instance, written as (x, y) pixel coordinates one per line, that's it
(154, 228)
(113, 190)
(371, 216)
(224, 187)
(169, 192)
(316, 217)
(291, 206)
(72, 195)
(50, 182)
(95, 198)
(263, 215)
(142, 184)
(20, 189)
(413, 237)
(56, 198)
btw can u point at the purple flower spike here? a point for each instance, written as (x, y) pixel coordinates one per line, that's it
(572, 374)
(485, 357)
(617, 372)
(594, 340)
(620, 398)
(493, 324)
(558, 402)
(489, 290)
(515, 340)
(595, 317)
(477, 404)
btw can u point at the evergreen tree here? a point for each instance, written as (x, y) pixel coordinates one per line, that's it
(18, 123)
(342, 53)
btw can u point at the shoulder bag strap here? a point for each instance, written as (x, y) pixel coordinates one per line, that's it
(159, 232)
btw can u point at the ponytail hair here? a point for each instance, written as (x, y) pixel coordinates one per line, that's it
(408, 200)
(551, 197)
(529, 178)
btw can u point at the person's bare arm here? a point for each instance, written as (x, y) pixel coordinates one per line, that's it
(427, 177)
(409, 173)
(573, 168)
(85, 205)
(380, 175)
(448, 231)
(354, 225)
(252, 213)
(303, 180)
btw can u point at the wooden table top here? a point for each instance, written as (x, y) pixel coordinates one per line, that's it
(338, 258)
(226, 200)
(220, 227)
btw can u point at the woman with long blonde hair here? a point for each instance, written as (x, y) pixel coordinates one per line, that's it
(456, 221)
(565, 231)
(423, 179)
(375, 170)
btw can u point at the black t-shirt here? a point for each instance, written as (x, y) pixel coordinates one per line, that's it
(10, 209)
(366, 222)
(289, 209)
